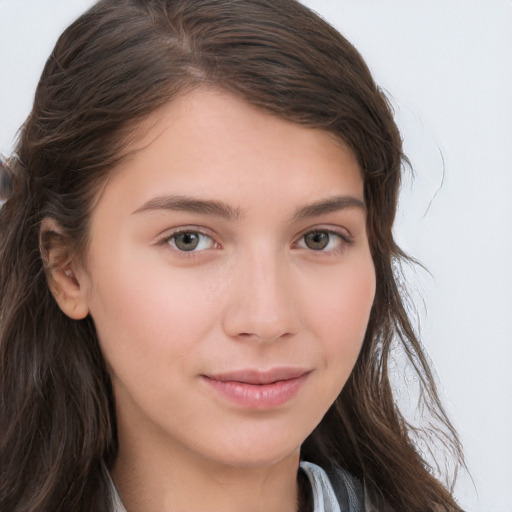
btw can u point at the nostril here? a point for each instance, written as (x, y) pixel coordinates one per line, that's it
(262, 337)
(265, 311)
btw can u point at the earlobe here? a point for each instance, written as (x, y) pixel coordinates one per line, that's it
(65, 277)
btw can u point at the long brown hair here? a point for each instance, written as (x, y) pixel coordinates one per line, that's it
(112, 67)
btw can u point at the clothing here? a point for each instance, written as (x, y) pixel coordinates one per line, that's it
(336, 492)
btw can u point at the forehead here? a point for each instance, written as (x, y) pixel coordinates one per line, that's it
(211, 143)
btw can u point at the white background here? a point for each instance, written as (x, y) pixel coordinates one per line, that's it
(447, 66)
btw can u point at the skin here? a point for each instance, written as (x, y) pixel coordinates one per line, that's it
(252, 295)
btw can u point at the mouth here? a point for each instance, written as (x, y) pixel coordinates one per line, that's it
(256, 389)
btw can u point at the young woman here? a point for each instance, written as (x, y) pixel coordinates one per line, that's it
(199, 304)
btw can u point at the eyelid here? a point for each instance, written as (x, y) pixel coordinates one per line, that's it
(164, 239)
(343, 234)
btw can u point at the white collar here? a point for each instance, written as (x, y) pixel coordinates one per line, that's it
(324, 498)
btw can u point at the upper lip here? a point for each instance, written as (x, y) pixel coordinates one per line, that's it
(254, 376)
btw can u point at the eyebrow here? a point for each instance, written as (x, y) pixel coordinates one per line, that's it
(190, 204)
(329, 205)
(225, 211)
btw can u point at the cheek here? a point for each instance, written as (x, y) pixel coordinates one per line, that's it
(340, 312)
(148, 314)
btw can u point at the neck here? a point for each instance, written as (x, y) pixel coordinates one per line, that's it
(151, 479)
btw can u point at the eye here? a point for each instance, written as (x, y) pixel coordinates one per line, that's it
(317, 240)
(189, 241)
(323, 240)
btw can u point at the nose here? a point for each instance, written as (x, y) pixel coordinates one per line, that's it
(262, 301)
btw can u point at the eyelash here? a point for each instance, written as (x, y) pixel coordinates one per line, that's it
(344, 238)
(167, 241)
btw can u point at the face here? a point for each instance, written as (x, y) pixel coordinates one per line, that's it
(230, 280)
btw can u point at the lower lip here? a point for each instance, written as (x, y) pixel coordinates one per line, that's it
(258, 396)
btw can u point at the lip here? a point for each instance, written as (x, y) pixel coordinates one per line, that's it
(257, 389)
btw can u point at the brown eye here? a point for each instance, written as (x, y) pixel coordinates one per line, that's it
(317, 240)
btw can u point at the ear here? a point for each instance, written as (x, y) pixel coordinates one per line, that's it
(66, 278)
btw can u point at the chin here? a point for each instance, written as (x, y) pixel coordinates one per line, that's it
(259, 453)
